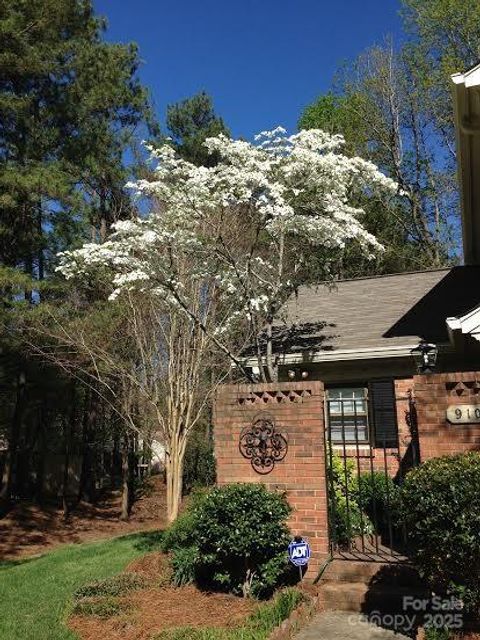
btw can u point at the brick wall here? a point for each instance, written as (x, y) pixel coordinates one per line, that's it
(433, 394)
(298, 412)
(297, 409)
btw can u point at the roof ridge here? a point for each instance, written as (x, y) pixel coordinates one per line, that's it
(383, 275)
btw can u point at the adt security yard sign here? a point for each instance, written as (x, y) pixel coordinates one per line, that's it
(299, 552)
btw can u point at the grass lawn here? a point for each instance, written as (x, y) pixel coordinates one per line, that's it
(34, 592)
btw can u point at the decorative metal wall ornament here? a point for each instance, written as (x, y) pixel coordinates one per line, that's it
(262, 445)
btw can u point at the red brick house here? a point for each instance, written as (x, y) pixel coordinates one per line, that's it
(348, 378)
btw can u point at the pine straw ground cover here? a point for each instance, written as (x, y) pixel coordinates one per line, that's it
(28, 530)
(140, 604)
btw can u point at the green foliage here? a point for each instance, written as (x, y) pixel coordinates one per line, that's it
(432, 633)
(189, 123)
(350, 113)
(181, 533)
(441, 512)
(199, 467)
(106, 607)
(68, 103)
(233, 538)
(185, 561)
(345, 515)
(258, 627)
(393, 105)
(71, 107)
(339, 115)
(448, 30)
(378, 496)
(113, 586)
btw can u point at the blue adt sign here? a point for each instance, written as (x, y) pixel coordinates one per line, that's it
(299, 552)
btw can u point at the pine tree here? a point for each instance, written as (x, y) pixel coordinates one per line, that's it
(189, 123)
(69, 104)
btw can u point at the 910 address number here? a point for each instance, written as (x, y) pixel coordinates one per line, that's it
(464, 414)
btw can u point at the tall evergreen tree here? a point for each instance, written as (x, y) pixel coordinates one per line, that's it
(189, 123)
(69, 104)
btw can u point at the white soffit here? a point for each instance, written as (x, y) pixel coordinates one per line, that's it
(470, 78)
(469, 324)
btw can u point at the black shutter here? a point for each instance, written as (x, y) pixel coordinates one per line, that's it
(383, 412)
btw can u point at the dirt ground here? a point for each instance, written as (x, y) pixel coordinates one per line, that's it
(157, 609)
(28, 529)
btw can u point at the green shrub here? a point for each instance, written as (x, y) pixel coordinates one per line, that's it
(441, 511)
(378, 496)
(234, 538)
(376, 487)
(100, 607)
(114, 586)
(342, 474)
(348, 519)
(184, 565)
(181, 533)
(345, 515)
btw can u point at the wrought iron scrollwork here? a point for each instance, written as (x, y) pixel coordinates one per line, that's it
(262, 445)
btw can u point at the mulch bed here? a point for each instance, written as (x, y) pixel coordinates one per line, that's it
(29, 529)
(151, 566)
(157, 609)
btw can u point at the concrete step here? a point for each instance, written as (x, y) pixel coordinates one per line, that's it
(371, 573)
(361, 597)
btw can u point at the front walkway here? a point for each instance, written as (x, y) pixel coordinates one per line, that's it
(341, 625)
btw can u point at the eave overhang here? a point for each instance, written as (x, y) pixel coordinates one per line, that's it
(468, 324)
(345, 355)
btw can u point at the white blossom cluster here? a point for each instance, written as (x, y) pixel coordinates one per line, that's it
(284, 187)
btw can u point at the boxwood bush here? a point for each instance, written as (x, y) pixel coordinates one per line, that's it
(441, 511)
(233, 538)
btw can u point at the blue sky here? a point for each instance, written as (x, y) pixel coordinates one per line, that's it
(261, 61)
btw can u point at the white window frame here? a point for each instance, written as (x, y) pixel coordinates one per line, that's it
(338, 414)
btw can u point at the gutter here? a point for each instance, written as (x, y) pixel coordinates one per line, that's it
(342, 355)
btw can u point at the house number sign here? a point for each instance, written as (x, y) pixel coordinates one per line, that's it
(464, 414)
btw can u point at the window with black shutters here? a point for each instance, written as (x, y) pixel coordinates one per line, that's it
(383, 413)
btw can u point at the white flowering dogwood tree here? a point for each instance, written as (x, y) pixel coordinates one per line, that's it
(222, 247)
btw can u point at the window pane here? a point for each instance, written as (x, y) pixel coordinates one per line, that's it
(347, 414)
(337, 435)
(349, 406)
(346, 392)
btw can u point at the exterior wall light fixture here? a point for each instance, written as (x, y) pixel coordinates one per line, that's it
(425, 356)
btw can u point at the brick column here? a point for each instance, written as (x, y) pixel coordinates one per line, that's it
(297, 409)
(433, 394)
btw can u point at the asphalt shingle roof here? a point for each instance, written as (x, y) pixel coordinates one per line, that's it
(383, 311)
